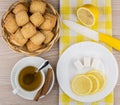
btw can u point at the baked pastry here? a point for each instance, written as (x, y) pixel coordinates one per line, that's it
(9, 16)
(37, 19)
(18, 38)
(22, 18)
(49, 23)
(28, 30)
(38, 38)
(10, 23)
(13, 41)
(48, 36)
(19, 7)
(31, 46)
(37, 6)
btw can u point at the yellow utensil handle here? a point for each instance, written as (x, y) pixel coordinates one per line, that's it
(113, 42)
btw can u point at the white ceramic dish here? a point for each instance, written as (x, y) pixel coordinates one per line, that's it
(34, 61)
(66, 69)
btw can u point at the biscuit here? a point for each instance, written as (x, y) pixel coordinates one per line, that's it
(19, 7)
(9, 16)
(13, 41)
(38, 38)
(49, 23)
(22, 18)
(37, 19)
(48, 36)
(28, 30)
(37, 6)
(31, 46)
(51, 16)
(18, 38)
(10, 23)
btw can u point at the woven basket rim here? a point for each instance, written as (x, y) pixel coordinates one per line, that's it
(36, 52)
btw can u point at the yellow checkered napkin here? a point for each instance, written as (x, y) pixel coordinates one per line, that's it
(68, 11)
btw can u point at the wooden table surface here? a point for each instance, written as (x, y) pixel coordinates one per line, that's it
(8, 58)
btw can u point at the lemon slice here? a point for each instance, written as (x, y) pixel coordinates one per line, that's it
(88, 14)
(81, 85)
(95, 82)
(100, 76)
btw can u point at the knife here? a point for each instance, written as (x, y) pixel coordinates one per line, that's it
(94, 35)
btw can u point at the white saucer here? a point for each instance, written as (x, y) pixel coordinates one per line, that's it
(34, 61)
(66, 69)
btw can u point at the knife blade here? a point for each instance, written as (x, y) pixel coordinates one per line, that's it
(94, 35)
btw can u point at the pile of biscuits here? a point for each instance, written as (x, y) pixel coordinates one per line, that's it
(30, 26)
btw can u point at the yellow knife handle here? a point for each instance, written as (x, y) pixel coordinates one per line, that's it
(113, 42)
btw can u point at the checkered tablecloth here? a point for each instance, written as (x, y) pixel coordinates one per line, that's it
(68, 11)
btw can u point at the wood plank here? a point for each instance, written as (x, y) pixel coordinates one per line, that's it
(117, 95)
(8, 58)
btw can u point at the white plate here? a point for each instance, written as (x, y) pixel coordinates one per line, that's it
(66, 69)
(35, 61)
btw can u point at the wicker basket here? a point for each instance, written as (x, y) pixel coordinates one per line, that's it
(24, 50)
